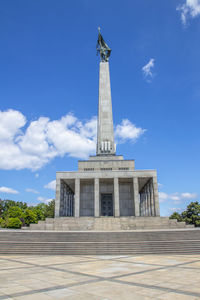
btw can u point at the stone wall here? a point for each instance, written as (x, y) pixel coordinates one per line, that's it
(126, 200)
(87, 198)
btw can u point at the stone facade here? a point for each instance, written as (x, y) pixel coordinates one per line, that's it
(133, 193)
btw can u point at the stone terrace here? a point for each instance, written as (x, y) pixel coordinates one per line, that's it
(100, 277)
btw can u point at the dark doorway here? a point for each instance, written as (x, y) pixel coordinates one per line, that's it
(106, 205)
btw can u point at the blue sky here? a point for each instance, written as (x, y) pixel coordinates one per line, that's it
(49, 91)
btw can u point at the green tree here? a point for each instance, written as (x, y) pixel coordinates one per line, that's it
(13, 223)
(50, 208)
(1, 208)
(39, 212)
(22, 205)
(1, 222)
(176, 216)
(15, 212)
(6, 204)
(10, 210)
(192, 214)
(30, 217)
(44, 210)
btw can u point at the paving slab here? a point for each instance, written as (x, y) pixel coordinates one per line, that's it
(99, 277)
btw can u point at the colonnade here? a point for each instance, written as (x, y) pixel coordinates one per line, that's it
(67, 201)
(149, 203)
(116, 211)
(146, 201)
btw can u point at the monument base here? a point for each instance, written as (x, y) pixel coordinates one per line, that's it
(107, 224)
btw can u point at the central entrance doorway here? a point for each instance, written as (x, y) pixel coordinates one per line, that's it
(107, 205)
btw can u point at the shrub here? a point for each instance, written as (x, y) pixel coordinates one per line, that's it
(15, 212)
(39, 212)
(30, 217)
(13, 223)
(3, 224)
(176, 216)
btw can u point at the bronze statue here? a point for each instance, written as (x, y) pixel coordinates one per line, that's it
(103, 48)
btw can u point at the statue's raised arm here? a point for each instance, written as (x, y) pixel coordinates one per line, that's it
(103, 48)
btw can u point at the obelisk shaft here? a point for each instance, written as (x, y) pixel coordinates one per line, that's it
(105, 134)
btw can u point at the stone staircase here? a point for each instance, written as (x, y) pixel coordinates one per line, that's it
(107, 224)
(138, 242)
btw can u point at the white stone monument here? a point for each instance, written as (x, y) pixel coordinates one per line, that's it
(106, 185)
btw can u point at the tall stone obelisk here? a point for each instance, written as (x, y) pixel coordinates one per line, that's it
(105, 134)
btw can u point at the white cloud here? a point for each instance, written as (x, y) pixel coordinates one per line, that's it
(147, 70)
(190, 9)
(128, 131)
(172, 209)
(4, 189)
(42, 140)
(32, 191)
(10, 123)
(43, 199)
(176, 197)
(71, 136)
(51, 185)
(188, 195)
(162, 196)
(36, 175)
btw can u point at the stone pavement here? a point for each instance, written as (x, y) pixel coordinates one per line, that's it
(100, 277)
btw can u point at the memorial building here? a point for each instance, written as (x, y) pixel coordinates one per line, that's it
(106, 185)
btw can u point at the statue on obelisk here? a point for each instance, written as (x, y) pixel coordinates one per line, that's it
(103, 48)
(105, 133)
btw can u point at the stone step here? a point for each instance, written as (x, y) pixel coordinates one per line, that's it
(82, 241)
(183, 241)
(100, 237)
(103, 244)
(107, 223)
(94, 250)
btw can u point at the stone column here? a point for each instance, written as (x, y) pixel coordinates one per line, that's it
(140, 197)
(148, 201)
(116, 197)
(140, 204)
(152, 199)
(77, 198)
(64, 201)
(156, 198)
(96, 197)
(141, 207)
(136, 196)
(57, 203)
(145, 202)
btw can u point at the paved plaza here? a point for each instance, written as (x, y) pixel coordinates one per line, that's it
(100, 277)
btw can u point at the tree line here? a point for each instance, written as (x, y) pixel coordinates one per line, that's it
(14, 214)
